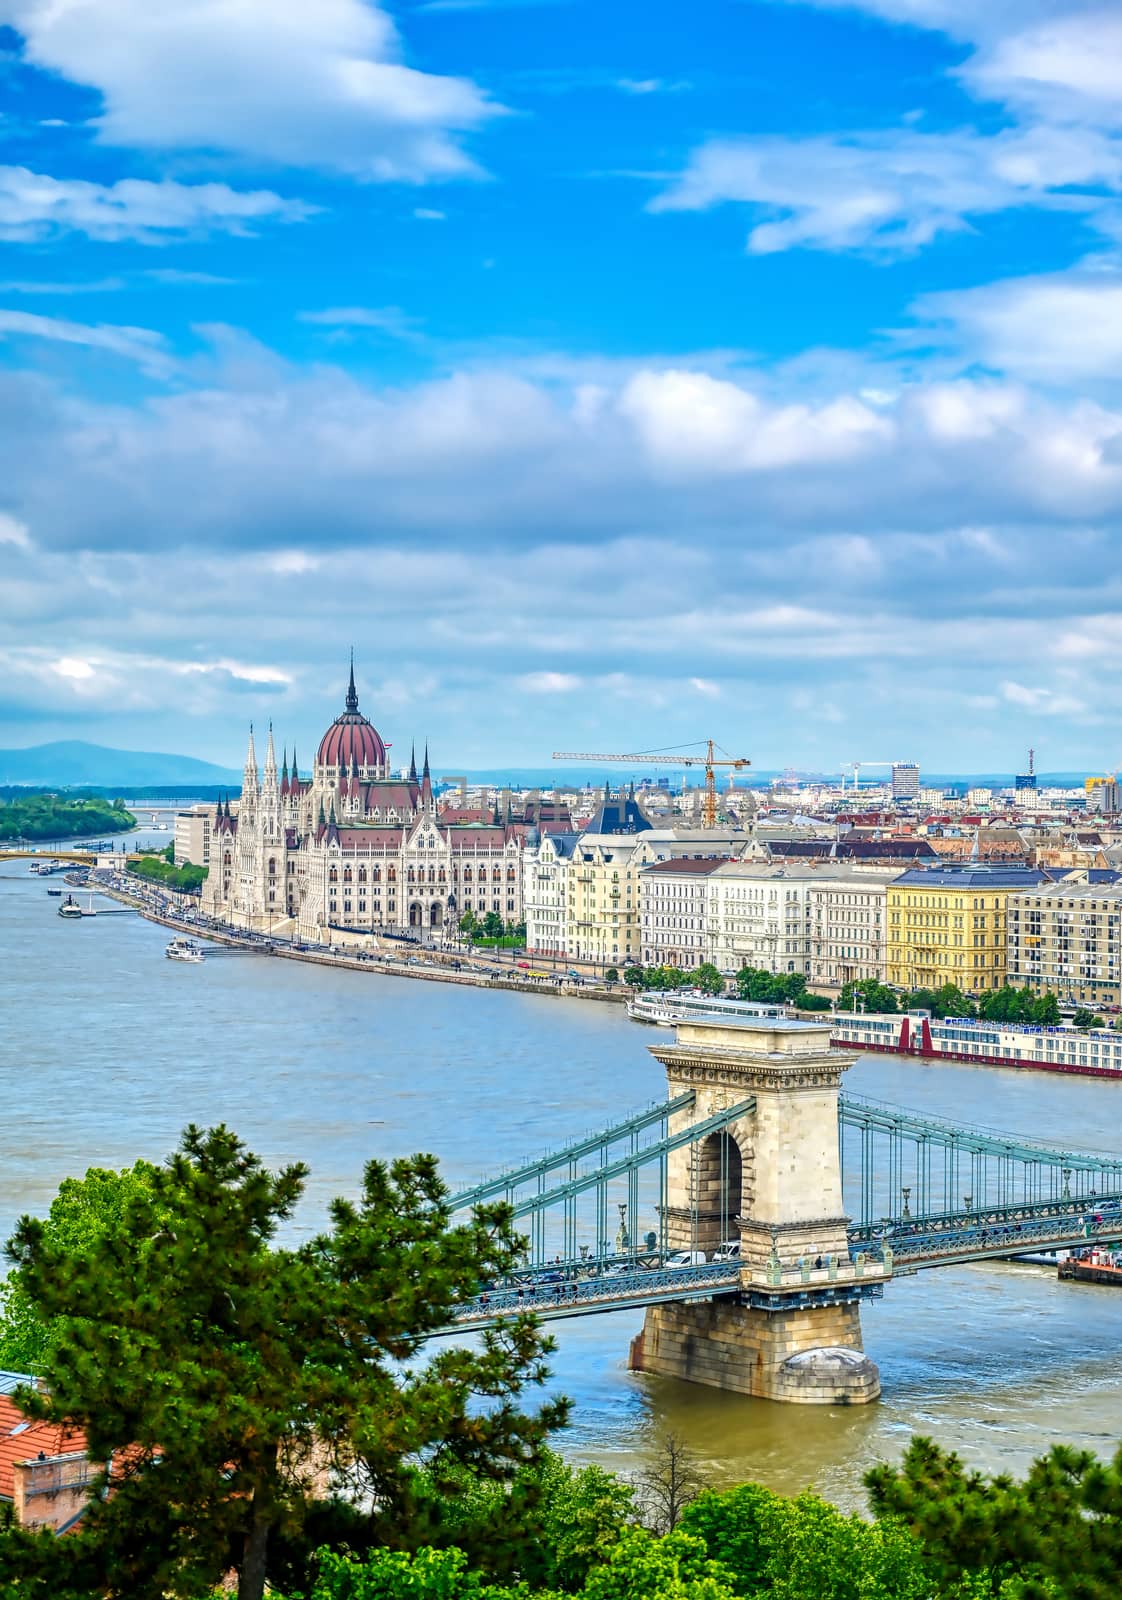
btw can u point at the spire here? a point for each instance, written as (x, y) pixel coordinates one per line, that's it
(295, 774)
(251, 756)
(413, 763)
(322, 818)
(426, 781)
(352, 692)
(284, 771)
(425, 769)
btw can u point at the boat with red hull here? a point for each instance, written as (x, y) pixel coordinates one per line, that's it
(1086, 1052)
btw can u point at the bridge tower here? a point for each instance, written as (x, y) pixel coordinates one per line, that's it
(792, 1329)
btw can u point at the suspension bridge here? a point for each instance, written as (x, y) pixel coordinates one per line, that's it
(753, 1210)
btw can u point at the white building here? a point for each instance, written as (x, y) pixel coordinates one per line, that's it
(192, 835)
(673, 911)
(849, 924)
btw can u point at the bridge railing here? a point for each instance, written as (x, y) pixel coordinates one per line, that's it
(603, 1197)
(898, 1165)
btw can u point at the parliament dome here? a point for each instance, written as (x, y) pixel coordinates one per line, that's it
(351, 740)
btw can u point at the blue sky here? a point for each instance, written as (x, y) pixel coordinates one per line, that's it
(609, 374)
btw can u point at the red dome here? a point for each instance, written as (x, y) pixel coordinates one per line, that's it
(351, 738)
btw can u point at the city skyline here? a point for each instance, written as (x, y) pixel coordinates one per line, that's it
(622, 375)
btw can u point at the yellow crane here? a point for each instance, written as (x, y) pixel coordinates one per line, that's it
(672, 758)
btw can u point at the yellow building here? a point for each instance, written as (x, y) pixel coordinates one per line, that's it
(947, 925)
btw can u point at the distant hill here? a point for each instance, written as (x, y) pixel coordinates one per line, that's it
(72, 762)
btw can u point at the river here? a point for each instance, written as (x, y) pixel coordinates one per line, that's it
(108, 1050)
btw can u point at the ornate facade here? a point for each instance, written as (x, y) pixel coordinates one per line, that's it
(353, 848)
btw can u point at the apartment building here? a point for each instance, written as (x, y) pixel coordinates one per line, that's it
(1067, 938)
(848, 915)
(673, 915)
(757, 916)
(948, 925)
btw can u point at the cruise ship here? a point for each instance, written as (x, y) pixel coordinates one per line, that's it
(666, 1008)
(1087, 1052)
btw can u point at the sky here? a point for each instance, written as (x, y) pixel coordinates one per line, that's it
(611, 374)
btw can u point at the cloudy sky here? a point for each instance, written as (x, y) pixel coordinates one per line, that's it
(610, 373)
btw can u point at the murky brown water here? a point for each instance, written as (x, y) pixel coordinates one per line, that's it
(107, 1049)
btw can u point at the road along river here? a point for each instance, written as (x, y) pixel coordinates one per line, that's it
(107, 1050)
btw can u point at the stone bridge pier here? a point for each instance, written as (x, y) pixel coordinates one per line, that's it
(791, 1330)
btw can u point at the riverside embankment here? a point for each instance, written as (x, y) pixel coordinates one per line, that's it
(108, 1050)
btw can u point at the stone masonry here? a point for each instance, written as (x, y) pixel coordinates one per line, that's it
(792, 1331)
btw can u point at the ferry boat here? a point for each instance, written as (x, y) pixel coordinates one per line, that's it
(184, 950)
(1093, 1266)
(666, 1008)
(1086, 1052)
(71, 909)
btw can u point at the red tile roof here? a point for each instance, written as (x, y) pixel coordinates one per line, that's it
(21, 1440)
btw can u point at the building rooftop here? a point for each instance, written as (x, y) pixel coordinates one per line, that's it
(974, 875)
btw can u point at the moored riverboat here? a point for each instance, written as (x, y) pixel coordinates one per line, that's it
(1093, 1266)
(1086, 1052)
(666, 1008)
(184, 950)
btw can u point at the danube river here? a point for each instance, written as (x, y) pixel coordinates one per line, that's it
(108, 1050)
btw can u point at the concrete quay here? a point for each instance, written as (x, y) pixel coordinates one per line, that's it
(333, 957)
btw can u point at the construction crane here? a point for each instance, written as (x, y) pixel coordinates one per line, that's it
(856, 764)
(672, 758)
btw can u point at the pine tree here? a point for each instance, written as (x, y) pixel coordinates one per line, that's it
(229, 1383)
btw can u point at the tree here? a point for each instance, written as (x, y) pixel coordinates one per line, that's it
(612, 975)
(219, 1374)
(666, 1487)
(804, 1549)
(869, 995)
(84, 1209)
(492, 925)
(1046, 1010)
(468, 923)
(1059, 1532)
(633, 977)
(708, 979)
(1087, 1019)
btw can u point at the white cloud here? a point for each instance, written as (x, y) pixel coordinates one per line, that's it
(1066, 65)
(14, 532)
(689, 421)
(36, 206)
(893, 191)
(706, 687)
(45, 286)
(75, 668)
(429, 214)
(139, 345)
(318, 85)
(386, 319)
(549, 682)
(1052, 327)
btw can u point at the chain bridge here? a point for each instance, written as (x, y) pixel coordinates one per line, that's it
(751, 1211)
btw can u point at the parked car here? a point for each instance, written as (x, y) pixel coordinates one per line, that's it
(729, 1251)
(687, 1258)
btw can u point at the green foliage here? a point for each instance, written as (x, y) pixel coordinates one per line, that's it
(804, 1549)
(612, 975)
(1056, 1533)
(226, 1367)
(62, 816)
(550, 1526)
(708, 979)
(633, 976)
(84, 1210)
(1087, 1019)
(1010, 1004)
(868, 995)
(771, 988)
(158, 870)
(643, 1566)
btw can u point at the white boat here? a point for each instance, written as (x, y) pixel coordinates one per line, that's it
(666, 1008)
(184, 950)
(70, 908)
